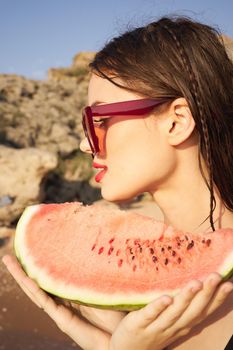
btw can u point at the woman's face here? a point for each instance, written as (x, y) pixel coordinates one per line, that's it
(137, 154)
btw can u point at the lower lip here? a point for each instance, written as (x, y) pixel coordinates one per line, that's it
(100, 175)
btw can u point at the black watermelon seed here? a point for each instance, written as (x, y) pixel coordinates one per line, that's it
(169, 247)
(166, 261)
(133, 257)
(173, 253)
(154, 258)
(162, 249)
(208, 242)
(190, 245)
(151, 250)
(179, 260)
(186, 237)
(131, 250)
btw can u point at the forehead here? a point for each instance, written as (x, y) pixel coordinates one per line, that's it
(102, 90)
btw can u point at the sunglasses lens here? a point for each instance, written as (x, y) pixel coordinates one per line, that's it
(100, 134)
(93, 133)
(88, 133)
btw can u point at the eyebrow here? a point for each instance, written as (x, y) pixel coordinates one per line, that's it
(96, 103)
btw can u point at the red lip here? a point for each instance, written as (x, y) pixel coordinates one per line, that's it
(96, 165)
(100, 175)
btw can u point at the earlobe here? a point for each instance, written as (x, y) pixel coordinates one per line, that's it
(182, 123)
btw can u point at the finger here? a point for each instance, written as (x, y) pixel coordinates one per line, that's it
(107, 320)
(196, 310)
(222, 293)
(86, 335)
(145, 316)
(181, 302)
(19, 275)
(203, 298)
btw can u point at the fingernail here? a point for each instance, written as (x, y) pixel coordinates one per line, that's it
(195, 289)
(228, 289)
(4, 258)
(214, 280)
(167, 302)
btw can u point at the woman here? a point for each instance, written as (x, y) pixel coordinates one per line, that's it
(160, 121)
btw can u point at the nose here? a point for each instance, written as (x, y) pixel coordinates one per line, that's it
(84, 146)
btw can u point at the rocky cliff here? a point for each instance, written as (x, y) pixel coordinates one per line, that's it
(40, 132)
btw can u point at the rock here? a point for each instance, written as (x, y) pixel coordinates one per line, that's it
(22, 172)
(82, 59)
(78, 71)
(6, 232)
(46, 115)
(70, 181)
(6, 236)
(41, 114)
(228, 42)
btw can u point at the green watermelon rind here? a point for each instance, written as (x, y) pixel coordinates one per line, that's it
(228, 275)
(28, 213)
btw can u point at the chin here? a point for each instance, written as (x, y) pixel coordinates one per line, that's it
(117, 197)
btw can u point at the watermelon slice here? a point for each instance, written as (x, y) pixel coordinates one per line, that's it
(110, 258)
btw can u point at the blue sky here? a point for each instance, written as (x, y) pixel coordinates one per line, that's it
(39, 34)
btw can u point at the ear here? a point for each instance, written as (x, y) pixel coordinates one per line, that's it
(180, 123)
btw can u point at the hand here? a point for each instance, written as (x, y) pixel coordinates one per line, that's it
(86, 335)
(106, 320)
(151, 328)
(166, 319)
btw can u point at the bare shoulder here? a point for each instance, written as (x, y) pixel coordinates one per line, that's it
(211, 334)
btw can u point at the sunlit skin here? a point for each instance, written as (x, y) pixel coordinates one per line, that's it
(157, 153)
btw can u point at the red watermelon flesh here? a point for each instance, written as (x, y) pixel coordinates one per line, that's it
(112, 258)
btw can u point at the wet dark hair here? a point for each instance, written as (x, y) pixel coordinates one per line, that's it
(179, 57)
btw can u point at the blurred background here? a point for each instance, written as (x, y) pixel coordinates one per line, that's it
(46, 46)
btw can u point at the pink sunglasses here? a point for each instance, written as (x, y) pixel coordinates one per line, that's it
(94, 135)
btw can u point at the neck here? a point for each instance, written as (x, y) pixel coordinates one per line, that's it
(185, 203)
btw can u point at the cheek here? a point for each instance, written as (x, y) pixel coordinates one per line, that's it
(151, 166)
(137, 161)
